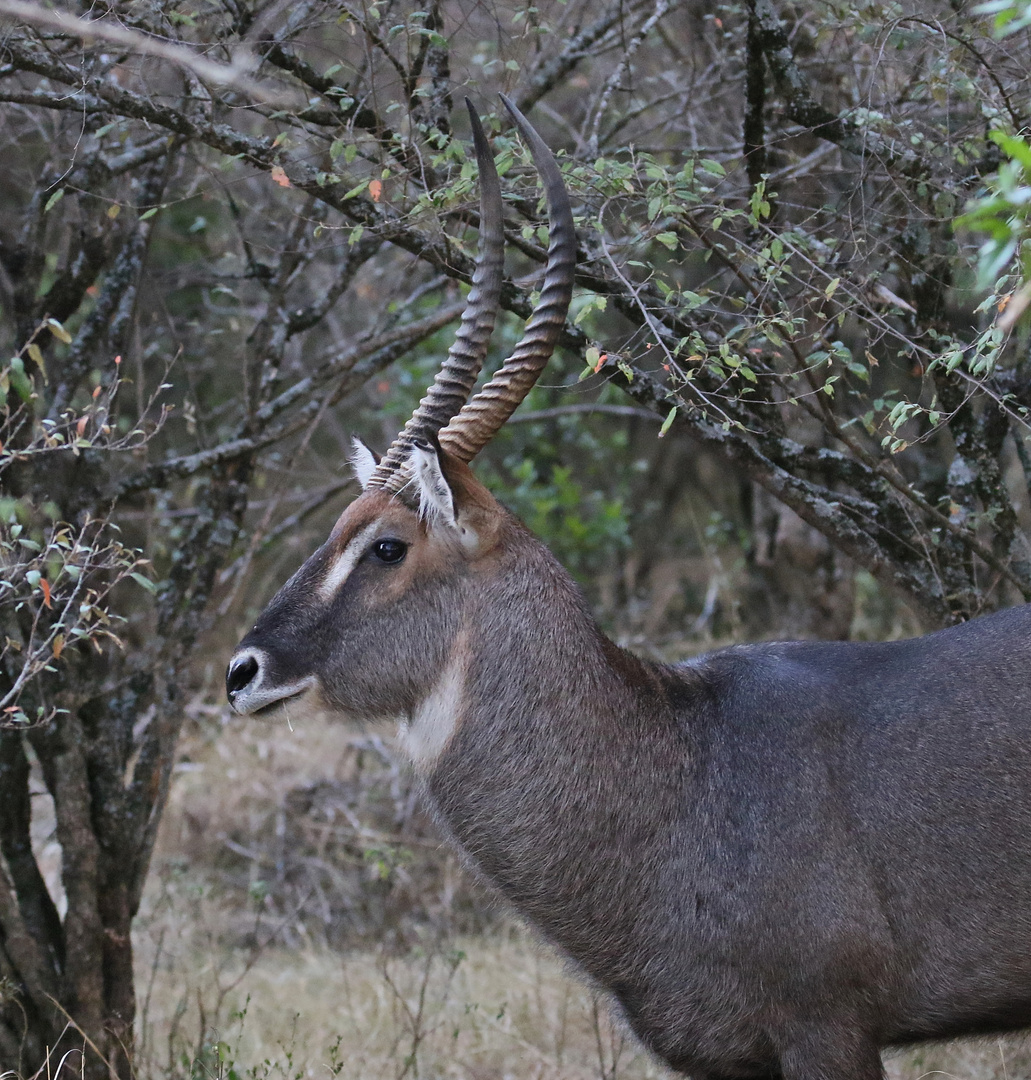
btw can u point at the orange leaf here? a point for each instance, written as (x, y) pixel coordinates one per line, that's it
(45, 586)
(58, 646)
(375, 189)
(601, 361)
(279, 175)
(80, 427)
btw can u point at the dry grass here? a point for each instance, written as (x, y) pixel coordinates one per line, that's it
(216, 980)
(485, 1007)
(240, 976)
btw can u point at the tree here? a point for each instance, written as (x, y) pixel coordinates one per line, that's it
(220, 221)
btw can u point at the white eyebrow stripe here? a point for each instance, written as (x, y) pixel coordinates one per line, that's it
(346, 561)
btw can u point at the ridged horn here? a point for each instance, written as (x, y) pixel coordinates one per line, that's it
(480, 420)
(456, 378)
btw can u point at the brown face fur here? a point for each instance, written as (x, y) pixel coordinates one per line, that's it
(366, 630)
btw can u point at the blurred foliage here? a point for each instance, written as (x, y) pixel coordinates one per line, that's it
(1011, 16)
(1005, 214)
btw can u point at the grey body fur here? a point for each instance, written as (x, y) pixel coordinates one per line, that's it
(776, 849)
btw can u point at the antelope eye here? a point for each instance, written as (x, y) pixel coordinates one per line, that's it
(390, 551)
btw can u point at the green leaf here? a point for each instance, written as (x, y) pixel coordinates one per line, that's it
(668, 422)
(144, 581)
(19, 380)
(53, 200)
(859, 370)
(1013, 147)
(667, 239)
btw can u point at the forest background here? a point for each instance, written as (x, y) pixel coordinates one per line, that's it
(790, 400)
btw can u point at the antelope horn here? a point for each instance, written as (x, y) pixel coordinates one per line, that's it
(457, 376)
(479, 421)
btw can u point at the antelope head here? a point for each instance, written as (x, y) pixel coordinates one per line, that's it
(370, 621)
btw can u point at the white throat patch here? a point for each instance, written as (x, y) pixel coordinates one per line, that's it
(426, 734)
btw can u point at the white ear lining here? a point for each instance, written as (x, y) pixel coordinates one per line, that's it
(435, 498)
(363, 462)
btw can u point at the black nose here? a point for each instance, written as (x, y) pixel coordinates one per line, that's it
(239, 674)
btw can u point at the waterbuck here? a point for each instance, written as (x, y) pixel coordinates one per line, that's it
(777, 858)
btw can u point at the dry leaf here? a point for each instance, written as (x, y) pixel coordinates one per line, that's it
(45, 586)
(884, 294)
(1016, 306)
(37, 356)
(58, 331)
(279, 175)
(375, 189)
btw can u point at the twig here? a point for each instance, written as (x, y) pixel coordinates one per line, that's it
(587, 408)
(661, 7)
(235, 75)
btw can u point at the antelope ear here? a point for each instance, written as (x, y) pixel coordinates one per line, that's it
(436, 499)
(363, 462)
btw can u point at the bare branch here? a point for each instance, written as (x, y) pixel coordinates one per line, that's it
(235, 75)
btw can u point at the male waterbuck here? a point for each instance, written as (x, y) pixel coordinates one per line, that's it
(777, 858)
